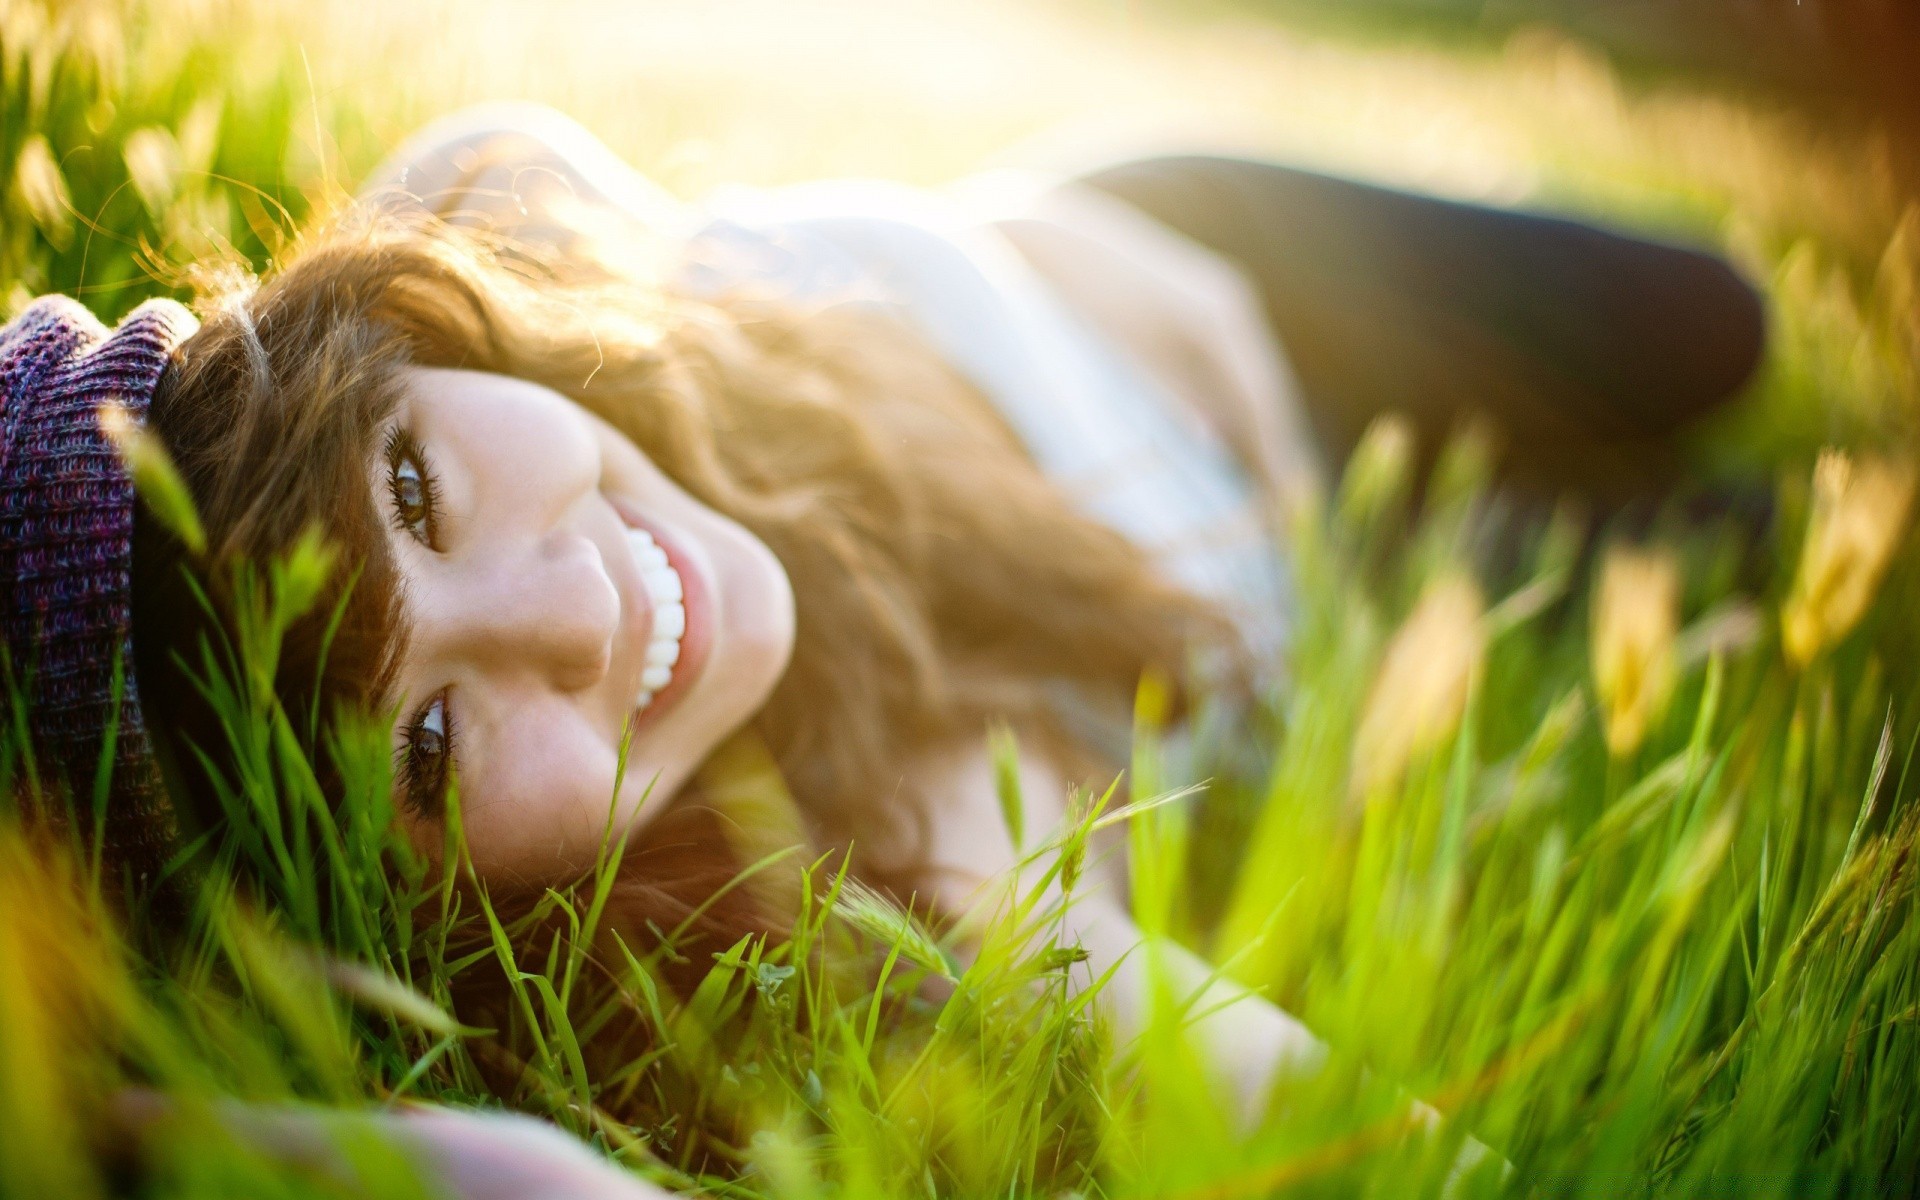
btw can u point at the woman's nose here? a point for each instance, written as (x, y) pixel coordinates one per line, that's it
(549, 607)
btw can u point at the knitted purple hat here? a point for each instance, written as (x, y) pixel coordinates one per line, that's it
(66, 549)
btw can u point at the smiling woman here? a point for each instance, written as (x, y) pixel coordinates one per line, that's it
(562, 593)
(578, 513)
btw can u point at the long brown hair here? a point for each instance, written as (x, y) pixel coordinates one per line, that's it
(941, 581)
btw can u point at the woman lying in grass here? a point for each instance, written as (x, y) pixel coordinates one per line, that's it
(857, 471)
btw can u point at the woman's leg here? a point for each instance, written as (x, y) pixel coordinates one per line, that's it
(1587, 347)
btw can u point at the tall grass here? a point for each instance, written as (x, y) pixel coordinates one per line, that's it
(1671, 953)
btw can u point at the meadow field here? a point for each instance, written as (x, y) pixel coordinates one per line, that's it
(1601, 844)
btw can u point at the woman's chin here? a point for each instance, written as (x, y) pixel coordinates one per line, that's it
(754, 641)
(744, 664)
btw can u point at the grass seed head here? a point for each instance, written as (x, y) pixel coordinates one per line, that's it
(1379, 471)
(1424, 682)
(41, 190)
(153, 167)
(1636, 620)
(155, 478)
(1859, 514)
(878, 917)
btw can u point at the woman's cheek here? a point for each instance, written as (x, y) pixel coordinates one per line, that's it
(548, 793)
(427, 837)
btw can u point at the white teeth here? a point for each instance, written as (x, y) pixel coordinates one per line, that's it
(667, 595)
(664, 585)
(669, 621)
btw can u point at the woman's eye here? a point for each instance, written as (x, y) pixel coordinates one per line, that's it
(411, 484)
(426, 758)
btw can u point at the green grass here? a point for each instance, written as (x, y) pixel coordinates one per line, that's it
(1685, 970)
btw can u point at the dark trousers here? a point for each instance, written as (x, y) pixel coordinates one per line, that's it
(1586, 348)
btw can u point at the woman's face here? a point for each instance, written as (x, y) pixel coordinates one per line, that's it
(561, 591)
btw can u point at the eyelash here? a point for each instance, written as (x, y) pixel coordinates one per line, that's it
(404, 450)
(423, 785)
(423, 775)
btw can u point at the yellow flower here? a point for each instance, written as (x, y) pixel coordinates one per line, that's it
(1636, 618)
(1859, 514)
(1425, 679)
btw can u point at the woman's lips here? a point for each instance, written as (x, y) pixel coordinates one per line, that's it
(688, 653)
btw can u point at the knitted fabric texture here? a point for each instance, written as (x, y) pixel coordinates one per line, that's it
(66, 552)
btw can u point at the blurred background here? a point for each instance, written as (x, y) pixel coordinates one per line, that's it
(143, 135)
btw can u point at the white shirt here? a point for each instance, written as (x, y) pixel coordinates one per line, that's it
(1125, 449)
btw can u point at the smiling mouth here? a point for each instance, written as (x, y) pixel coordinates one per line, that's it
(667, 594)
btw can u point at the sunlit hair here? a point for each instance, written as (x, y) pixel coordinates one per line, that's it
(940, 580)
